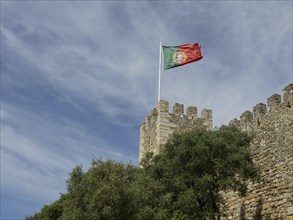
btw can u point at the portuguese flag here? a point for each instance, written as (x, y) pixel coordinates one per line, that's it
(180, 55)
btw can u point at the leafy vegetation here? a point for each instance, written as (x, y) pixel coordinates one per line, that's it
(185, 182)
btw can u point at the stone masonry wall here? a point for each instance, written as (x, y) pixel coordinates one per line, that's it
(272, 150)
(160, 124)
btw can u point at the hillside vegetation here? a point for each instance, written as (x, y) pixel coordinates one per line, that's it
(183, 183)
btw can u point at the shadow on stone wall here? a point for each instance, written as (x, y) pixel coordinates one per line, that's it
(258, 210)
(242, 212)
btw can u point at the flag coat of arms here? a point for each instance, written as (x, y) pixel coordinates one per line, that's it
(174, 56)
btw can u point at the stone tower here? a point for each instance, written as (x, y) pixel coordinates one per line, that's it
(160, 124)
(272, 151)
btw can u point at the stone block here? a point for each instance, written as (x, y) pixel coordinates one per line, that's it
(178, 108)
(274, 102)
(191, 111)
(290, 211)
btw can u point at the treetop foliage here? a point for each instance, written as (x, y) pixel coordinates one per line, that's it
(184, 182)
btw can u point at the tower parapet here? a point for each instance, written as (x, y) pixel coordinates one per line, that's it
(288, 95)
(178, 109)
(207, 117)
(252, 120)
(259, 110)
(160, 124)
(191, 112)
(246, 120)
(274, 102)
(235, 122)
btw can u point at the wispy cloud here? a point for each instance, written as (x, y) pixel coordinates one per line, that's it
(93, 74)
(37, 153)
(251, 58)
(77, 78)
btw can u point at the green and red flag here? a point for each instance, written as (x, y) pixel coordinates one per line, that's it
(180, 55)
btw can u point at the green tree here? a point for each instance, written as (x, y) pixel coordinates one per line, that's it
(198, 165)
(185, 182)
(53, 211)
(74, 206)
(108, 190)
(102, 193)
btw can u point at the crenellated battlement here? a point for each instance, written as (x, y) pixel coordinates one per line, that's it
(288, 96)
(161, 123)
(272, 150)
(252, 120)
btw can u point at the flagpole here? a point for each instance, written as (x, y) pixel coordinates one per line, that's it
(160, 67)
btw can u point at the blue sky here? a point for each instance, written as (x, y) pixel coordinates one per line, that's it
(78, 78)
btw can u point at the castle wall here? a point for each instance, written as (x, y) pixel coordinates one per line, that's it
(160, 124)
(272, 150)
